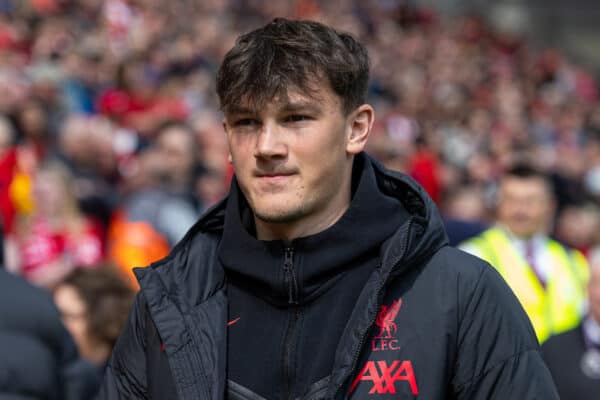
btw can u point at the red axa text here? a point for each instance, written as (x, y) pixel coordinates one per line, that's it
(385, 377)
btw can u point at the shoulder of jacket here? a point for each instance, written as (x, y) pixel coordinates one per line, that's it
(202, 237)
(457, 261)
(189, 275)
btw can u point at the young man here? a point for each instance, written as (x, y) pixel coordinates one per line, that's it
(322, 275)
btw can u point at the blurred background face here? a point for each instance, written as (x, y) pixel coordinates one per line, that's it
(176, 147)
(33, 120)
(74, 315)
(50, 193)
(594, 291)
(525, 205)
(174, 144)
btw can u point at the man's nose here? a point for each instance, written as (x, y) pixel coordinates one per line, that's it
(270, 142)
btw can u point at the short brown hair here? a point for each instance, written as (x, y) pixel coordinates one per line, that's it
(286, 54)
(107, 299)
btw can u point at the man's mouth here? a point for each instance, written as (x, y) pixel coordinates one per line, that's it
(274, 177)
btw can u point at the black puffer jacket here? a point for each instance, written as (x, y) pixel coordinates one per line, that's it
(431, 322)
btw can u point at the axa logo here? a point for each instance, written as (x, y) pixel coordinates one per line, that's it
(384, 377)
(385, 321)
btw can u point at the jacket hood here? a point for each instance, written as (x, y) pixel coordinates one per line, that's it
(423, 234)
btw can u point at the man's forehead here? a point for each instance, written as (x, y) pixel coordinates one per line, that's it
(523, 181)
(525, 185)
(290, 99)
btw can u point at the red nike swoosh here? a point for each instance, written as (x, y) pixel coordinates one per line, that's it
(233, 321)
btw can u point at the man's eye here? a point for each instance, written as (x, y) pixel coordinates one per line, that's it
(297, 118)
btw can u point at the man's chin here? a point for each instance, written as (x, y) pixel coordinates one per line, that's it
(275, 215)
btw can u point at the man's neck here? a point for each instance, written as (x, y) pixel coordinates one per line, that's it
(537, 236)
(289, 231)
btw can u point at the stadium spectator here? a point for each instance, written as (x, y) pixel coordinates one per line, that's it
(548, 278)
(56, 237)
(573, 357)
(94, 304)
(166, 199)
(465, 214)
(38, 359)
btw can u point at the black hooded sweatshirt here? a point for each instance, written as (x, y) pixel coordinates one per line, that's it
(429, 322)
(289, 302)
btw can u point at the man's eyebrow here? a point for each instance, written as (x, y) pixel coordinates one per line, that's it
(239, 110)
(287, 107)
(299, 106)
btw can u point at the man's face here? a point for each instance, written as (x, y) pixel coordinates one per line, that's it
(291, 157)
(524, 205)
(594, 292)
(176, 147)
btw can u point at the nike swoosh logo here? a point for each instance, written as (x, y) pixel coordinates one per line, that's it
(233, 321)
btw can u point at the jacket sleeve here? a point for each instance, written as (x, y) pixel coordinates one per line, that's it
(125, 376)
(498, 353)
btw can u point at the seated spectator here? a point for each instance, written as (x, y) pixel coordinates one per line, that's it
(94, 304)
(574, 356)
(47, 245)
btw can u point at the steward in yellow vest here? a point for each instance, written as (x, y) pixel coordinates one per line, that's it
(554, 305)
(549, 279)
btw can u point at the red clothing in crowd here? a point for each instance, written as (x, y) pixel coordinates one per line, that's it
(424, 168)
(7, 170)
(44, 246)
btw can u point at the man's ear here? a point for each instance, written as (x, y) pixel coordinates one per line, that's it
(226, 130)
(360, 124)
(225, 126)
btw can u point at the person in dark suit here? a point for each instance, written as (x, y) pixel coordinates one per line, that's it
(38, 358)
(573, 357)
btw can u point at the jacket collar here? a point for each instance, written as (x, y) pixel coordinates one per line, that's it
(371, 218)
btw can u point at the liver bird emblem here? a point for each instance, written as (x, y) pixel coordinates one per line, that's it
(385, 319)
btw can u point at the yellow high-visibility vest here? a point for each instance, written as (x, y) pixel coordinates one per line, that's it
(554, 309)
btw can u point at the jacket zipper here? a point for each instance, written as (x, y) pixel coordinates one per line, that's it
(288, 357)
(290, 278)
(373, 315)
(292, 285)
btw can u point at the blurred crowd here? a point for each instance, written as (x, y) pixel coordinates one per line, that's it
(111, 142)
